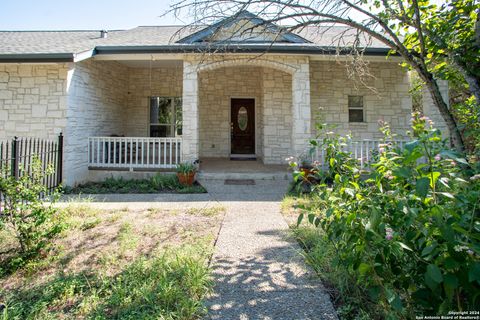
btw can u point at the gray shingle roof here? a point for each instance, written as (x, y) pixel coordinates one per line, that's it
(15, 42)
(75, 42)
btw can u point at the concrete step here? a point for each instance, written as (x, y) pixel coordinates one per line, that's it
(281, 175)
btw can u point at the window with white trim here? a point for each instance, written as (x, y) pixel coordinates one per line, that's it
(355, 109)
(165, 116)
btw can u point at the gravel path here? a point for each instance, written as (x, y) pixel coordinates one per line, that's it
(259, 272)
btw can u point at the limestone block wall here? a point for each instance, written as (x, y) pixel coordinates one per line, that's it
(216, 88)
(277, 116)
(330, 87)
(164, 82)
(431, 111)
(33, 101)
(97, 101)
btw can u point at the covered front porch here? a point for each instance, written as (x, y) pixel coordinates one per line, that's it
(148, 115)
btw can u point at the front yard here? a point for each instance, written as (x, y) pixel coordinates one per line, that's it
(144, 264)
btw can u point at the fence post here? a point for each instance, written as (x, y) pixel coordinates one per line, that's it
(60, 159)
(15, 156)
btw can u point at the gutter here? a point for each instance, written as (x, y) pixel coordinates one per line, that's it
(199, 48)
(181, 48)
(37, 57)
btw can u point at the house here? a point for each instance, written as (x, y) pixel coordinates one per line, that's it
(149, 97)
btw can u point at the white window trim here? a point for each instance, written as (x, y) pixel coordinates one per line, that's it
(356, 108)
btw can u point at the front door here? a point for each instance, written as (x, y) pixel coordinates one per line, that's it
(243, 126)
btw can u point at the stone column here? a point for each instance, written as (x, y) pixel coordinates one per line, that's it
(301, 121)
(190, 142)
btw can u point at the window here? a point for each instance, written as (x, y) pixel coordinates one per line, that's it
(355, 109)
(165, 117)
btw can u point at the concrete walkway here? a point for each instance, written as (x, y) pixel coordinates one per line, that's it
(260, 274)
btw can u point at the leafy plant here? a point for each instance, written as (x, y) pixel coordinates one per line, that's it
(185, 168)
(468, 115)
(408, 232)
(32, 221)
(164, 181)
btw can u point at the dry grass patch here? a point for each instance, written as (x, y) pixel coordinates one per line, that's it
(102, 246)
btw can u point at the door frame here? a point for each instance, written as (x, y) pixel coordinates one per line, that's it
(255, 99)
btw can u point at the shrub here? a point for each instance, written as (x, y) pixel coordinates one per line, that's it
(33, 222)
(408, 232)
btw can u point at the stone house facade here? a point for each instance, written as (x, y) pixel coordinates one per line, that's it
(106, 94)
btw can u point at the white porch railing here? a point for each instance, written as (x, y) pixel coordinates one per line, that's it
(362, 150)
(134, 153)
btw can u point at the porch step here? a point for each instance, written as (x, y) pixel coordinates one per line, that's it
(243, 175)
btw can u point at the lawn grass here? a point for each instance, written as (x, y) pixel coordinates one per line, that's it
(349, 299)
(160, 183)
(117, 264)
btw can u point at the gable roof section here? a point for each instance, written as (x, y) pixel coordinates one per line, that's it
(244, 27)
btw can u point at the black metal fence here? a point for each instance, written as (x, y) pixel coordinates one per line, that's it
(17, 156)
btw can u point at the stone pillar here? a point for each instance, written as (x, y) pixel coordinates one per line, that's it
(431, 111)
(301, 120)
(190, 142)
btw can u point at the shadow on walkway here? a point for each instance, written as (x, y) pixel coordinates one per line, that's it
(271, 284)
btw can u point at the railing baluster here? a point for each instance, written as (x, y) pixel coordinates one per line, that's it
(164, 153)
(114, 155)
(176, 152)
(170, 152)
(148, 152)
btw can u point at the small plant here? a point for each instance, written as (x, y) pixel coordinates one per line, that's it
(186, 173)
(163, 181)
(33, 222)
(186, 168)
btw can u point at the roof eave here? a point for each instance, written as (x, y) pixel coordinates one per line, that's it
(299, 49)
(37, 58)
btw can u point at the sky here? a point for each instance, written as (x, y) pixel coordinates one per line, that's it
(83, 14)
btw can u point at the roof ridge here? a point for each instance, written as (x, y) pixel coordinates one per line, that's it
(166, 25)
(90, 30)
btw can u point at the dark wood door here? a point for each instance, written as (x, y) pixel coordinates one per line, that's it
(243, 126)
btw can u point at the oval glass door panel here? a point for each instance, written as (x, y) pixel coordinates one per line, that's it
(242, 118)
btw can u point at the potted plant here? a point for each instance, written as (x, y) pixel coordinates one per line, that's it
(186, 173)
(308, 168)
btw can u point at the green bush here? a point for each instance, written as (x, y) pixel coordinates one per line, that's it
(33, 222)
(409, 232)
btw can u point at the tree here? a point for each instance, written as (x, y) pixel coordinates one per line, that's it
(435, 41)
